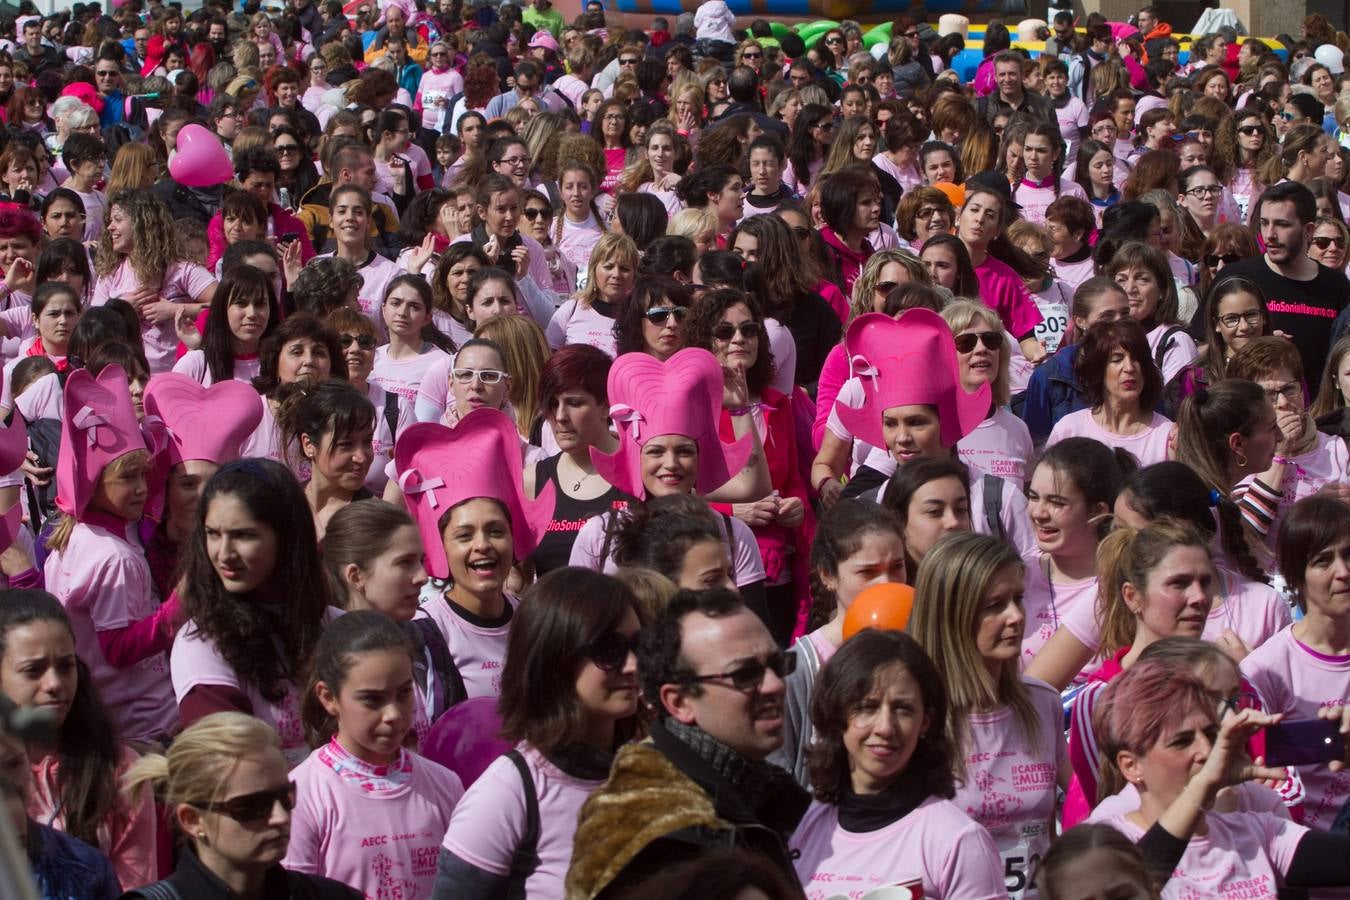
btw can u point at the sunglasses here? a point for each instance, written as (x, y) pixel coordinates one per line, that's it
(610, 652)
(1322, 243)
(834, 40)
(910, 34)
(1288, 116)
(992, 340)
(253, 807)
(885, 287)
(727, 331)
(752, 54)
(487, 376)
(1213, 259)
(630, 61)
(1250, 130)
(281, 149)
(658, 315)
(751, 675)
(535, 212)
(364, 341)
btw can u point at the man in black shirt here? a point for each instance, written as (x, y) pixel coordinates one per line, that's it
(1303, 295)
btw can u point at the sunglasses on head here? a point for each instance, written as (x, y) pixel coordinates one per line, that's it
(1322, 243)
(610, 652)
(364, 341)
(658, 315)
(750, 676)
(253, 807)
(535, 212)
(726, 331)
(992, 340)
(1213, 259)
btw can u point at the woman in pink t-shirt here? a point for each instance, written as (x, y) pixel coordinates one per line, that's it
(1069, 501)
(139, 260)
(569, 701)
(97, 569)
(931, 498)
(368, 812)
(1007, 728)
(1042, 182)
(882, 773)
(578, 225)
(76, 779)
(257, 599)
(1160, 731)
(588, 318)
(980, 225)
(1122, 387)
(328, 430)
(1143, 274)
(243, 312)
(857, 545)
(415, 343)
(350, 209)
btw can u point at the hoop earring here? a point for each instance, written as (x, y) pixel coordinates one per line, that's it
(1242, 460)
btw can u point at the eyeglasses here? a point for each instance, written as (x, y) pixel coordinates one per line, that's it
(535, 212)
(514, 160)
(1292, 392)
(364, 341)
(751, 675)
(1205, 190)
(436, 53)
(1288, 116)
(1238, 702)
(1252, 317)
(1213, 259)
(726, 331)
(1322, 243)
(658, 315)
(487, 376)
(628, 61)
(752, 54)
(109, 73)
(610, 652)
(911, 34)
(1249, 130)
(826, 125)
(801, 232)
(834, 40)
(931, 212)
(253, 807)
(992, 340)
(283, 149)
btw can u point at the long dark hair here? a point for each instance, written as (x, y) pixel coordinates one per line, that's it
(430, 333)
(707, 313)
(243, 283)
(802, 149)
(288, 608)
(359, 631)
(87, 748)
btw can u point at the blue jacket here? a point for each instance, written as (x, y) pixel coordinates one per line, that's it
(1052, 393)
(65, 868)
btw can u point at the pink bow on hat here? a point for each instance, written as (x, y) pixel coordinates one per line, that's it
(683, 395)
(98, 425)
(909, 361)
(439, 468)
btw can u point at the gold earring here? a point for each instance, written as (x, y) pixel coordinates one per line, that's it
(1242, 460)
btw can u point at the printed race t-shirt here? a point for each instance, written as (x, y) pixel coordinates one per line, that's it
(478, 647)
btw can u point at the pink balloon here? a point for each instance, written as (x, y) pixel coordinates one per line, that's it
(465, 739)
(200, 160)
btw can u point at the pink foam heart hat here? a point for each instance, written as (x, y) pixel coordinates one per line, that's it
(439, 468)
(98, 425)
(909, 361)
(199, 159)
(683, 395)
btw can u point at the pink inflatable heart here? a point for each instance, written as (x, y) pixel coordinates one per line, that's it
(200, 160)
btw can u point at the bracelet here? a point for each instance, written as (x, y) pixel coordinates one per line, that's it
(822, 481)
(1281, 460)
(740, 411)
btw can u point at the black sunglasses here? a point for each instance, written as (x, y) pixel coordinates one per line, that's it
(1250, 130)
(535, 212)
(253, 807)
(885, 287)
(610, 652)
(992, 340)
(727, 331)
(658, 315)
(751, 675)
(1213, 259)
(364, 341)
(1322, 243)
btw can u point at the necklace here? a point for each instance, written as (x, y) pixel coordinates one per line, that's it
(576, 485)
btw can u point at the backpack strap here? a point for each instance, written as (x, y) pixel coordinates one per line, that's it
(391, 413)
(160, 890)
(731, 542)
(443, 666)
(993, 506)
(1164, 345)
(525, 859)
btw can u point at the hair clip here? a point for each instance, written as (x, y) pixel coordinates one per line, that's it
(1214, 497)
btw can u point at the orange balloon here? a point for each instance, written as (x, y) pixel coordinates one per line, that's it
(884, 606)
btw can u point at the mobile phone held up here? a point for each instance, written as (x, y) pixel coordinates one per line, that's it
(1304, 742)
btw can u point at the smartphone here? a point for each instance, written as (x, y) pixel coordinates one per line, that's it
(1304, 742)
(288, 236)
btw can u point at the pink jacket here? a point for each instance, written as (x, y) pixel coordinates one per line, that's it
(282, 223)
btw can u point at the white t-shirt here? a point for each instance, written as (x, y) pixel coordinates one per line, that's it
(1000, 445)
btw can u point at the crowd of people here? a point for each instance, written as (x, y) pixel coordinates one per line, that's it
(455, 453)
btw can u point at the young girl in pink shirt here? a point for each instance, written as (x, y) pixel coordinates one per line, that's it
(578, 227)
(569, 701)
(415, 343)
(882, 773)
(589, 317)
(464, 488)
(368, 812)
(857, 545)
(76, 778)
(1042, 183)
(1007, 728)
(1069, 501)
(328, 431)
(97, 568)
(257, 599)
(242, 314)
(980, 225)
(350, 208)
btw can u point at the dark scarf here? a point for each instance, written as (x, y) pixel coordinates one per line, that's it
(583, 761)
(755, 782)
(860, 813)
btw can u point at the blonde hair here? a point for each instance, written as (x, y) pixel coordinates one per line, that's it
(948, 596)
(691, 223)
(962, 314)
(130, 167)
(120, 467)
(652, 589)
(609, 246)
(865, 284)
(201, 759)
(524, 352)
(1129, 556)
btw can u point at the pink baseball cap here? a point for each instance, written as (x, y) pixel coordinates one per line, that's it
(683, 395)
(439, 468)
(98, 425)
(909, 361)
(543, 39)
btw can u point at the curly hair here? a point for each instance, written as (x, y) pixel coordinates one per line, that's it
(324, 283)
(156, 247)
(705, 316)
(268, 635)
(651, 290)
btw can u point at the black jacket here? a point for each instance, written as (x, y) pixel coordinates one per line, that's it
(193, 881)
(185, 203)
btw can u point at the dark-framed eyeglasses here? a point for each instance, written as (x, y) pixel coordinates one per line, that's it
(283, 149)
(253, 807)
(1252, 317)
(992, 340)
(752, 54)
(659, 315)
(885, 287)
(750, 676)
(364, 341)
(801, 232)
(1204, 190)
(610, 652)
(726, 331)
